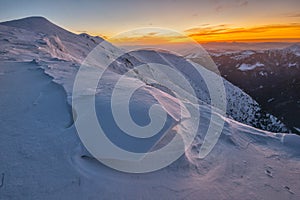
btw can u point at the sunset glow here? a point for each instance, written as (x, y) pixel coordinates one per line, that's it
(267, 33)
(203, 21)
(220, 33)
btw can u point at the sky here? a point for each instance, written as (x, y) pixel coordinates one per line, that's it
(202, 20)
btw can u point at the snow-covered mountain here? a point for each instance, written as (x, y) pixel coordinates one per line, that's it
(40, 143)
(271, 77)
(37, 38)
(36, 35)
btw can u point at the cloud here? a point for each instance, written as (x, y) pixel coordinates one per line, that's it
(152, 33)
(215, 33)
(81, 31)
(242, 3)
(103, 36)
(205, 25)
(294, 15)
(224, 31)
(207, 28)
(147, 39)
(226, 5)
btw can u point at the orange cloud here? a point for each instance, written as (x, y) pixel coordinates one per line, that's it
(147, 38)
(276, 32)
(215, 33)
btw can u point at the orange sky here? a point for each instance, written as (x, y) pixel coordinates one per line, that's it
(271, 32)
(203, 20)
(207, 33)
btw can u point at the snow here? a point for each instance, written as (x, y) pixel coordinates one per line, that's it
(291, 140)
(297, 129)
(295, 48)
(292, 65)
(270, 100)
(248, 52)
(243, 55)
(44, 158)
(194, 55)
(55, 166)
(240, 106)
(248, 67)
(262, 73)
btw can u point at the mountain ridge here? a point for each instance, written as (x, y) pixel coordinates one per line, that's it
(73, 49)
(38, 24)
(45, 159)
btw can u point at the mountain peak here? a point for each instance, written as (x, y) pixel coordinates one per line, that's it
(33, 20)
(40, 18)
(295, 47)
(36, 24)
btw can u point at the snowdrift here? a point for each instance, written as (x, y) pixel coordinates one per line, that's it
(44, 158)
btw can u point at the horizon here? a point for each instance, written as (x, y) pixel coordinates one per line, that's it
(139, 99)
(204, 22)
(222, 45)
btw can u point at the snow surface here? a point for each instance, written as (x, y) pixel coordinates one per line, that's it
(44, 158)
(247, 67)
(292, 65)
(295, 49)
(243, 55)
(60, 53)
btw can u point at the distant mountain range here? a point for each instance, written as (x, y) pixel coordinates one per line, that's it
(271, 77)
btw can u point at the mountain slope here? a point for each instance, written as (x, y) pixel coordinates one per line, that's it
(37, 25)
(46, 41)
(240, 106)
(43, 155)
(42, 36)
(272, 79)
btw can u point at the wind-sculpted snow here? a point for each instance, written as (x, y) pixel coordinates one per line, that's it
(57, 52)
(38, 144)
(240, 106)
(60, 52)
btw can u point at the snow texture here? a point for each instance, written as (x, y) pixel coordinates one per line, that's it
(45, 160)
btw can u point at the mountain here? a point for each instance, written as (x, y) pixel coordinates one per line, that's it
(36, 35)
(47, 41)
(38, 25)
(271, 77)
(42, 147)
